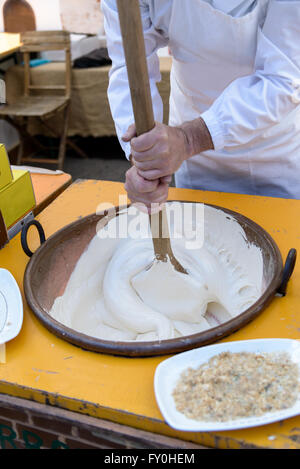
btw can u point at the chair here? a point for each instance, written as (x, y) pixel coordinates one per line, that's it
(18, 16)
(42, 102)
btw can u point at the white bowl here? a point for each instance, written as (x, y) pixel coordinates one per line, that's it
(11, 307)
(169, 371)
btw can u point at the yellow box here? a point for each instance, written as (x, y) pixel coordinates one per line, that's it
(6, 175)
(17, 198)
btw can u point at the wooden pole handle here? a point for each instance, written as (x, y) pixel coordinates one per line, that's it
(138, 77)
(135, 55)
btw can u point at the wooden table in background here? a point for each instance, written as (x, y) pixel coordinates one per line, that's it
(9, 44)
(47, 187)
(76, 395)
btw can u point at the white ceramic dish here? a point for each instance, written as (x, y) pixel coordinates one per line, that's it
(169, 371)
(11, 307)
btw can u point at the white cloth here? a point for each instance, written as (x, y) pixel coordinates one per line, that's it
(236, 64)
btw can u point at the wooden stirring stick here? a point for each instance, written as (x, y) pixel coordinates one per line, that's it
(138, 77)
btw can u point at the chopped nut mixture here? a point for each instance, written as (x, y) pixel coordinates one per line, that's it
(236, 385)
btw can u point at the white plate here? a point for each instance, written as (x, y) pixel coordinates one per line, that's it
(11, 307)
(168, 372)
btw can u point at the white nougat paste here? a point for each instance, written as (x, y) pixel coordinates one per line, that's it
(112, 295)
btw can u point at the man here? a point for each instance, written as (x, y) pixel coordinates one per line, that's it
(235, 97)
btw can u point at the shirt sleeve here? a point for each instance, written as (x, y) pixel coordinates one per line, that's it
(252, 104)
(118, 90)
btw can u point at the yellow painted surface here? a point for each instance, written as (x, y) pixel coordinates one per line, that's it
(6, 175)
(2, 353)
(46, 369)
(17, 198)
(47, 187)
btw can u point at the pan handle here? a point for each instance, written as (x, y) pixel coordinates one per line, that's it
(287, 272)
(24, 233)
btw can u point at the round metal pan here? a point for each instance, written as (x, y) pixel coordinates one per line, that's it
(50, 267)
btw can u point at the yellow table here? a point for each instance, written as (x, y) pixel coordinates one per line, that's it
(47, 187)
(9, 44)
(42, 368)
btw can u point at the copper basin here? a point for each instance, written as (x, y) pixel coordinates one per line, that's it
(50, 267)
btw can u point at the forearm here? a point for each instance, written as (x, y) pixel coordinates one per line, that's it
(196, 136)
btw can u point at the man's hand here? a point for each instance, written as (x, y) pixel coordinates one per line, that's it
(158, 154)
(147, 192)
(161, 151)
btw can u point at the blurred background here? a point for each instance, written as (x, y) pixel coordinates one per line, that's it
(91, 126)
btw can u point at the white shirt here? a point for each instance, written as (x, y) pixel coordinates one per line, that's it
(235, 8)
(239, 114)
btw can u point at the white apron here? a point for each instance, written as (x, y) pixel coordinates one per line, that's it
(207, 58)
